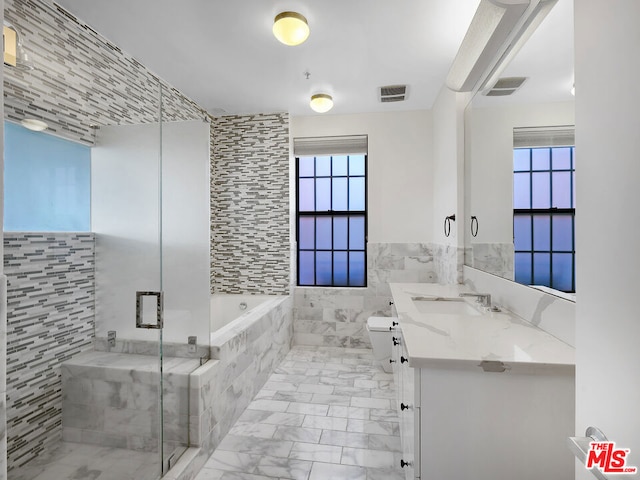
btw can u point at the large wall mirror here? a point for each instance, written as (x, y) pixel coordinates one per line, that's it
(520, 162)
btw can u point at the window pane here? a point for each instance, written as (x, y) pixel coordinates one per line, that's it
(541, 190)
(306, 233)
(323, 233)
(561, 189)
(573, 177)
(356, 269)
(521, 190)
(563, 271)
(340, 194)
(356, 194)
(561, 158)
(542, 269)
(522, 263)
(323, 194)
(563, 232)
(540, 158)
(340, 277)
(356, 165)
(306, 166)
(522, 232)
(340, 233)
(307, 268)
(339, 166)
(306, 192)
(356, 233)
(323, 268)
(542, 232)
(323, 166)
(521, 159)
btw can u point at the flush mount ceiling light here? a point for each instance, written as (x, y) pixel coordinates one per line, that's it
(321, 102)
(33, 124)
(497, 31)
(290, 28)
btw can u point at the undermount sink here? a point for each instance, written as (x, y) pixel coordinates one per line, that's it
(444, 306)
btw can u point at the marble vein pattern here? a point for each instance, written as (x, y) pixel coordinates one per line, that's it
(345, 434)
(495, 258)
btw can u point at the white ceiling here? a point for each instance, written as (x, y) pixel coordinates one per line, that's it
(223, 55)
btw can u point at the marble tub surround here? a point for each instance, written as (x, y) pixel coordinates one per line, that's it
(144, 347)
(433, 339)
(325, 413)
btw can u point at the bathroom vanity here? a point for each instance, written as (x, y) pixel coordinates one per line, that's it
(481, 394)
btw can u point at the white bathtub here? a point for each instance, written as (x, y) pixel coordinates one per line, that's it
(227, 307)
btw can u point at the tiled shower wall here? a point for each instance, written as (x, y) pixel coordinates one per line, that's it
(250, 204)
(50, 318)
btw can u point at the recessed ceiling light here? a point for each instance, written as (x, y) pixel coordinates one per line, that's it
(33, 124)
(321, 102)
(290, 28)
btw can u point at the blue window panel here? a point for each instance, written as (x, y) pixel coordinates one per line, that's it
(541, 185)
(323, 194)
(562, 232)
(340, 264)
(540, 158)
(306, 233)
(356, 269)
(307, 194)
(542, 232)
(340, 166)
(521, 190)
(522, 232)
(573, 200)
(522, 264)
(562, 271)
(561, 189)
(340, 232)
(356, 194)
(542, 269)
(307, 272)
(306, 167)
(356, 165)
(339, 194)
(561, 158)
(521, 160)
(323, 233)
(323, 166)
(323, 268)
(47, 183)
(356, 233)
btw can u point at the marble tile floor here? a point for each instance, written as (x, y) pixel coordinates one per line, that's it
(326, 413)
(77, 461)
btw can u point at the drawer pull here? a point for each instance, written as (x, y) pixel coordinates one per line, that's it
(404, 407)
(404, 464)
(391, 360)
(403, 360)
(396, 341)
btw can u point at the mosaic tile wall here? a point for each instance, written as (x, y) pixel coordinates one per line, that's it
(50, 301)
(80, 78)
(250, 204)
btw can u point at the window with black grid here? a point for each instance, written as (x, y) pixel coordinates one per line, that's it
(332, 220)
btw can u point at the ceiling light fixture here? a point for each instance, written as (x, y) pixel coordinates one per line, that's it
(321, 102)
(290, 28)
(33, 124)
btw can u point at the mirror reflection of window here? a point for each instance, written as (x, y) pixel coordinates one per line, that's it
(544, 216)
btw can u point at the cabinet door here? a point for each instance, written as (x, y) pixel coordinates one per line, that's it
(407, 413)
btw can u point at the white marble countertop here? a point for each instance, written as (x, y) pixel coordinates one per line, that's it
(434, 339)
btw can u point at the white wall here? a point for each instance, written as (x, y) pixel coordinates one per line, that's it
(607, 68)
(490, 167)
(400, 169)
(125, 201)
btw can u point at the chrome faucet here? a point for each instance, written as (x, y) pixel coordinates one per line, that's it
(484, 299)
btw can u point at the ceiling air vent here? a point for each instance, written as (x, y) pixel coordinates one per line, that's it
(505, 86)
(393, 93)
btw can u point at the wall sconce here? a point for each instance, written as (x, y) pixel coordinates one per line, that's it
(290, 28)
(321, 102)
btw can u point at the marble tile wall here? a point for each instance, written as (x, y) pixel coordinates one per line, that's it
(448, 261)
(337, 316)
(50, 299)
(80, 78)
(250, 237)
(495, 258)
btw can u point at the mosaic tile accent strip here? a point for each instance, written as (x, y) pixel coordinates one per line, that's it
(80, 78)
(250, 204)
(50, 319)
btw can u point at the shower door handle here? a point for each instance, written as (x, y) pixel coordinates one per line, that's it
(159, 310)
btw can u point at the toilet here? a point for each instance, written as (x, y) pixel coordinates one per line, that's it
(380, 334)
